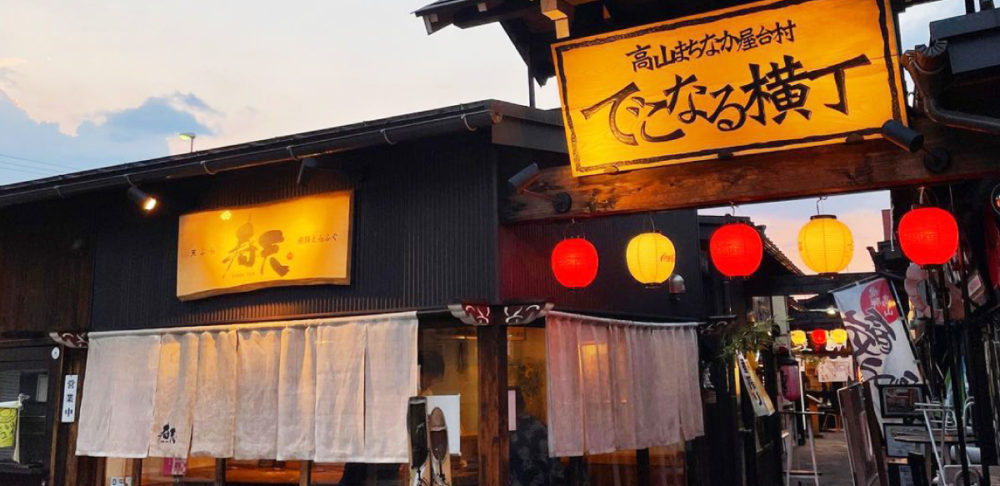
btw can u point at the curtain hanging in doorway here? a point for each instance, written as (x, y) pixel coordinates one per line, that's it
(620, 385)
(326, 390)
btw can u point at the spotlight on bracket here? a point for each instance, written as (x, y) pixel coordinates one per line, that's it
(937, 160)
(145, 201)
(307, 168)
(521, 183)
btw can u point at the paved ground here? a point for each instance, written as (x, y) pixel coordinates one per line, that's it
(831, 455)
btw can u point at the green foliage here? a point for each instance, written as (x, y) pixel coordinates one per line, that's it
(754, 336)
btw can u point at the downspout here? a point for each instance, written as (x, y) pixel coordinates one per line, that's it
(926, 65)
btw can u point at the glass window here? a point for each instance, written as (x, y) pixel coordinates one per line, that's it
(449, 365)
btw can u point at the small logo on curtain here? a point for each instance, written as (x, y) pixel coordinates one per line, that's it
(168, 435)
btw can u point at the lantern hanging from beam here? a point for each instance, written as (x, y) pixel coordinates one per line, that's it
(825, 244)
(838, 336)
(798, 338)
(818, 338)
(650, 258)
(928, 236)
(736, 249)
(574, 262)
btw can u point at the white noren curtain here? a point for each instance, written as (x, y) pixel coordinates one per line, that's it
(619, 385)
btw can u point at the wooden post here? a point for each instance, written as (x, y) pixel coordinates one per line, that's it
(305, 473)
(136, 474)
(220, 473)
(494, 439)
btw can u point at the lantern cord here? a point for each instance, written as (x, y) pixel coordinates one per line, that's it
(652, 223)
(732, 207)
(819, 204)
(920, 196)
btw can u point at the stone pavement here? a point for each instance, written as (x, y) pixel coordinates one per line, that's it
(831, 455)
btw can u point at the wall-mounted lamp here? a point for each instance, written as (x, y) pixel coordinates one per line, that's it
(144, 200)
(937, 160)
(676, 287)
(522, 181)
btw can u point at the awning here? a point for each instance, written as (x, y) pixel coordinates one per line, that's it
(329, 390)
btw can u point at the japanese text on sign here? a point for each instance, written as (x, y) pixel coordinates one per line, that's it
(69, 398)
(774, 75)
(298, 242)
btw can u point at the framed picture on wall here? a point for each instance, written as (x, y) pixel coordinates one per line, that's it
(900, 401)
(896, 444)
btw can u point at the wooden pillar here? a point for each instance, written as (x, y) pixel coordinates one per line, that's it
(305, 473)
(136, 472)
(220, 473)
(494, 439)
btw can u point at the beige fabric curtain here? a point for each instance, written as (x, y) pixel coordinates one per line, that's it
(215, 397)
(258, 358)
(118, 395)
(620, 385)
(176, 383)
(330, 390)
(297, 394)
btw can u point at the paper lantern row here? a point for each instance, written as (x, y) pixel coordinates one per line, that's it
(834, 339)
(928, 236)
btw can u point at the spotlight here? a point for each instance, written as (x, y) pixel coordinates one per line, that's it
(145, 201)
(831, 311)
(995, 199)
(307, 168)
(522, 181)
(937, 160)
(675, 285)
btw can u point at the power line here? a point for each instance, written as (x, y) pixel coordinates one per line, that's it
(43, 170)
(36, 161)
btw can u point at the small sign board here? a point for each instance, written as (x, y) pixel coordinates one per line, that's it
(303, 241)
(70, 397)
(762, 405)
(759, 77)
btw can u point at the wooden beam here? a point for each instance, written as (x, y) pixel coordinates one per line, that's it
(560, 13)
(800, 284)
(830, 169)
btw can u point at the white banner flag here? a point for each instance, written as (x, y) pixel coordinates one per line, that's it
(878, 335)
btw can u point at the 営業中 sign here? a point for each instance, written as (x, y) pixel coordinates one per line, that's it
(302, 241)
(767, 76)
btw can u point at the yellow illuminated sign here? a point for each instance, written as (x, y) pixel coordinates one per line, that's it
(302, 241)
(8, 427)
(767, 76)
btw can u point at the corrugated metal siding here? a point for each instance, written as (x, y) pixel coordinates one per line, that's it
(424, 236)
(525, 271)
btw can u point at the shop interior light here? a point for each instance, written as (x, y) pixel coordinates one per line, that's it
(825, 244)
(650, 258)
(928, 236)
(145, 201)
(574, 263)
(736, 249)
(831, 311)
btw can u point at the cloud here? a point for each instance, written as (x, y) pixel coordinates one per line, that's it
(31, 149)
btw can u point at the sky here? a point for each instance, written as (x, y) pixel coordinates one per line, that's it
(101, 82)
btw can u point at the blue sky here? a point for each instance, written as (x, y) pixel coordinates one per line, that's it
(89, 84)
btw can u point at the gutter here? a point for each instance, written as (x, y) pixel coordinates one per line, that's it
(180, 167)
(926, 66)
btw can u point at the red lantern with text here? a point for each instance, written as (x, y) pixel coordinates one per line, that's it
(819, 337)
(928, 236)
(574, 263)
(736, 249)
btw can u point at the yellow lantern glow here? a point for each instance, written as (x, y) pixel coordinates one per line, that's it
(825, 244)
(798, 338)
(651, 258)
(838, 336)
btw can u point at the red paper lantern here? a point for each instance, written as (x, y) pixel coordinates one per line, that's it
(928, 236)
(736, 249)
(818, 337)
(574, 263)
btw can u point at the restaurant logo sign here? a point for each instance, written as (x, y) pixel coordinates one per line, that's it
(303, 241)
(767, 76)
